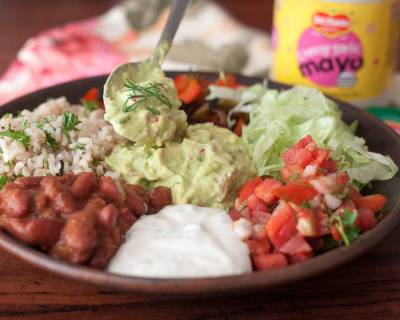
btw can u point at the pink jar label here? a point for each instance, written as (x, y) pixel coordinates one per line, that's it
(328, 53)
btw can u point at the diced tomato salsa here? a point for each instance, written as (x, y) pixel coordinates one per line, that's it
(92, 99)
(227, 81)
(314, 208)
(189, 88)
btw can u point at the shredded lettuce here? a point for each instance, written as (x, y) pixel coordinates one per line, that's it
(218, 92)
(279, 119)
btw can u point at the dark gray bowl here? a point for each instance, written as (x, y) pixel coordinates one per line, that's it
(379, 138)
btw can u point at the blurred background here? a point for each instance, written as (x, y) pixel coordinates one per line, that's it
(45, 42)
(22, 19)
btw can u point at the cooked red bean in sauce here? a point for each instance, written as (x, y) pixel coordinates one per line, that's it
(109, 190)
(108, 216)
(134, 202)
(15, 201)
(159, 197)
(59, 194)
(83, 185)
(77, 218)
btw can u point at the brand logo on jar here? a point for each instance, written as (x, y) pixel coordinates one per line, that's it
(329, 53)
(330, 25)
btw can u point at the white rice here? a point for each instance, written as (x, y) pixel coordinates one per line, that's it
(83, 151)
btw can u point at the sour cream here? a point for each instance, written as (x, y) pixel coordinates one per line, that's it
(182, 241)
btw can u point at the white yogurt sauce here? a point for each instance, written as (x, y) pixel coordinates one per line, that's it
(180, 242)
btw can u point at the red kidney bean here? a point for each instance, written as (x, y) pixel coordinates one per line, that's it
(109, 190)
(110, 240)
(95, 204)
(60, 196)
(159, 197)
(134, 201)
(28, 182)
(45, 232)
(139, 190)
(40, 201)
(78, 238)
(77, 218)
(127, 219)
(108, 216)
(83, 185)
(67, 179)
(37, 232)
(48, 213)
(15, 202)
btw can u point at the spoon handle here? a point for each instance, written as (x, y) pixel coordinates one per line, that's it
(176, 14)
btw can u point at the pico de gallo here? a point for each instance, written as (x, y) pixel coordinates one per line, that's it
(312, 209)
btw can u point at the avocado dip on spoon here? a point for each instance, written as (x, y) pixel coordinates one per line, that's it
(141, 87)
(201, 164)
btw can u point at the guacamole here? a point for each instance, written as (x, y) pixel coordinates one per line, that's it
(143, 106)
(207, 168)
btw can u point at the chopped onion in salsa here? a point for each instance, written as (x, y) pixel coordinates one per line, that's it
(312, 209)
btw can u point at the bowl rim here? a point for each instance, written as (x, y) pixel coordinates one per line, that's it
(248, 282)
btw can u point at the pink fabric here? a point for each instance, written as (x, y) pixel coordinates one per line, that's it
(95, 46)
(58, 55)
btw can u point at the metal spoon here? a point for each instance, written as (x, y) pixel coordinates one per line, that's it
(142, 71)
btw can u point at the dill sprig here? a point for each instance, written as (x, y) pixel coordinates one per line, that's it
(138, 94)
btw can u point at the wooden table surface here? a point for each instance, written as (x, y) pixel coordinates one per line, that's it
(368, 288)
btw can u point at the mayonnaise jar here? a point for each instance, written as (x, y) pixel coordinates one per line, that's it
(345, 48)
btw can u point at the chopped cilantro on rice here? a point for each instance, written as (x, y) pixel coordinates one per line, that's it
(52, 148)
